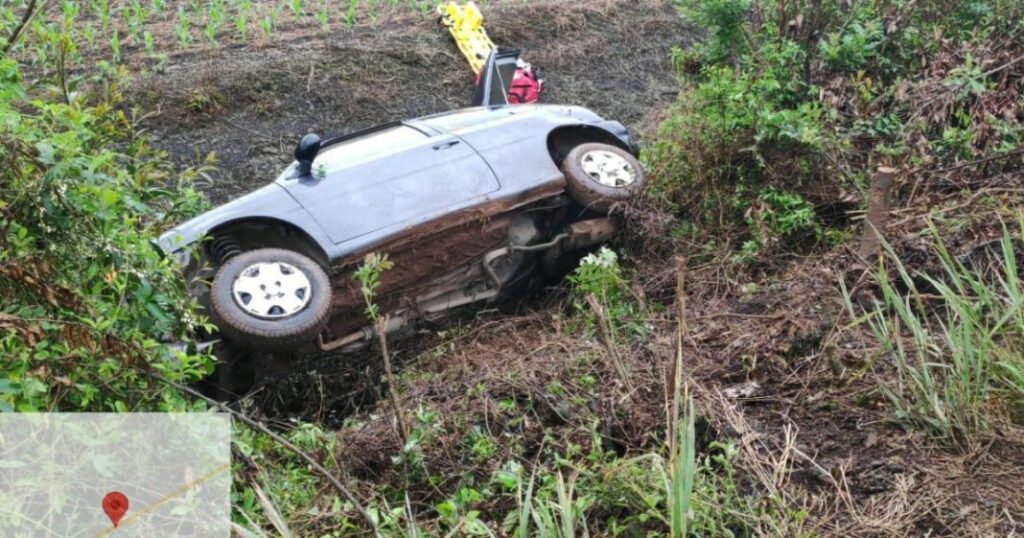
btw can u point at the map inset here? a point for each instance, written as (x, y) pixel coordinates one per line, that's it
(172, 468)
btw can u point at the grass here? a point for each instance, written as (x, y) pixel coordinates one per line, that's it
(958, 352)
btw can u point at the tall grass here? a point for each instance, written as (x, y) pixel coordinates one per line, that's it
(681, 473)
(558, 508)
(960, 362)
(562, 517)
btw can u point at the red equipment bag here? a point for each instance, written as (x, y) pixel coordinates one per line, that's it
(526, 86)
(506, 79)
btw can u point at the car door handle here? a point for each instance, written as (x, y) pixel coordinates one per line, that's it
(445, 145)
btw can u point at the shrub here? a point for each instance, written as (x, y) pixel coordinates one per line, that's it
(84, 297)
(803, 97)
(717, 142)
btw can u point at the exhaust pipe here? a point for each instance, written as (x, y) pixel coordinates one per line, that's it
(582, 234)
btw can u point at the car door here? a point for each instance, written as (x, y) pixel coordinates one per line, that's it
(390, 179)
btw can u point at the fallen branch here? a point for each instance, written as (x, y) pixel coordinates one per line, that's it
(253, 423)
(983, 160)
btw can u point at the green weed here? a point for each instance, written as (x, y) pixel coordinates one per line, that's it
(599, 275)
(959, 363)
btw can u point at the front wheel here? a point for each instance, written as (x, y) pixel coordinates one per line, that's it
(601, 175)
(270, 298)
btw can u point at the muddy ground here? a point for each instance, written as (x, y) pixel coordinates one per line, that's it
(809, 402)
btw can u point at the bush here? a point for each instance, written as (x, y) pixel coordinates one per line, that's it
(84, 297)
(804, 98)
(729, 127)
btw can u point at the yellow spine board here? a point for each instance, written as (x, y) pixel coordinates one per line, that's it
(466, 24)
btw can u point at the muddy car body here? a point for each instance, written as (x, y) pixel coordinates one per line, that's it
(466, 204)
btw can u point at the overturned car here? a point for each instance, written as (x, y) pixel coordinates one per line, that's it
(467, 205)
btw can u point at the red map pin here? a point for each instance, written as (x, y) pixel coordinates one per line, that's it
(115, 504)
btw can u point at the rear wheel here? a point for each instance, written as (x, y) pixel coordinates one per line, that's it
(270, 298)
(601, 175)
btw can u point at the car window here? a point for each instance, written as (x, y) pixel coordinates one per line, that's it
(369, 147)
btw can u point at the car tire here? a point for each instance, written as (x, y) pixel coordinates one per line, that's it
(598, 175)
(294, 310)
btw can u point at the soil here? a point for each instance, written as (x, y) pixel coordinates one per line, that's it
(770, 367)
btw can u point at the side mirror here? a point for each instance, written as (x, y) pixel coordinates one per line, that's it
(305, 152)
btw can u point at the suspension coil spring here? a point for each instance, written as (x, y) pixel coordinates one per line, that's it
(224, 248)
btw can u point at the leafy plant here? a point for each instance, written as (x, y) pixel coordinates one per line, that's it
(775, 216)
(724, 21)
(181, 28)
(854, 46)
(368, 276)
(84, 298)
(600, 275)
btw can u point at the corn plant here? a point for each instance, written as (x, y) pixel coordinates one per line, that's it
(274, 17)
(90, 35)
(296, 6)
(115, 47)
(103, 14)
(181, 28)
(214, 18)
(350, 14)
(242, 19)
(136, 18)
(266, 26)
(242, 26)
(426, 7)
(41, 43)
(373, 11)
(148, 42)
(323, 16)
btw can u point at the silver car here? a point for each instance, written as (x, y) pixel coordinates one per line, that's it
(466, 204)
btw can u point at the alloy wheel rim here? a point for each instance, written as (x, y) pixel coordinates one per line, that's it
(271, 290)
(608, 169)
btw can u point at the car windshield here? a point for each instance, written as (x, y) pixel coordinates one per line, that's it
(368, 147)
